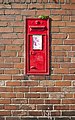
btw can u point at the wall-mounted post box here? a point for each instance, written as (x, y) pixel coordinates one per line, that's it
(37, 46)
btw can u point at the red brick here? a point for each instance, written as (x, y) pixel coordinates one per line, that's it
(54, 89)
(69, 95)
(38, 89)
(6, 65)
(44, 107)
(45, 83)
(35, 6)
(16, 23)
(56, 77)
(68, 65)
(37, 77)
(69, 77)
(1, 71)
(9, 35)
(72, 18)
(5, 113)
(6, 18)
(72, 1)
(5, 77)
(61, 71)
(52, 6)
(70, 24)
(69, 42)
(30, 83)
(61, 107)
(13, 71)
(55, 65)
(14, 83)
(8, 53)
(12, 12)
(71, 54)
(62, 48)
(66, 18)
(13, 48)
(11, 107)
(56, 113)
(1, 107)
(1, 12)
(19, 6)
(17, 42)
(69, 30)
(19, 65)
(63, 83)
(36, 101)
(32, 95)
(68, 6)
(6, 29)
(58, 35)
(57, 12)
(3, 24)
(58, 23)
(2, 47)
(56, 18)
(12, 60)
(1, 60)
(35, 113)
(72, 59)
(19, 113)
(6, 89)
(43, 12)
(72, 71)
(55, 29)
(21, 89)
(18, 77)
(73, 48)
(20, 30)
(20, 95)
(5, 41)
(68, 101)
(8, 95)
(27, 12)
(54, 101)
(44, 95)
(59, 53)
(27, 107)
(19, 101)
(4, 101)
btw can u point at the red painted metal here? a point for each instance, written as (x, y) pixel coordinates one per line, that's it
(37, 46)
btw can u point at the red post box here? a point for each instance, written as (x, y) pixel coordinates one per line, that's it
(37, 46)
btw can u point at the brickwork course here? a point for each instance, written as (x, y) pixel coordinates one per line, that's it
(43, 97)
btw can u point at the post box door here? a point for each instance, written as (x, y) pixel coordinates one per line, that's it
(37, 57)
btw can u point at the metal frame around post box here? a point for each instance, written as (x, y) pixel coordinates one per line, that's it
(26, 47)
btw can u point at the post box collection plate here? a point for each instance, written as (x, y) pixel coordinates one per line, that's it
(37, 46)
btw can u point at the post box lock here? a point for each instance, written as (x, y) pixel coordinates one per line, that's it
(37, 46)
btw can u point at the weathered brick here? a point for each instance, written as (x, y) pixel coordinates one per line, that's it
(14, 83)
(5, 113)
(19, 113)
(41, 12)
(12, 118)
(63, 83)
(44, 107)
(68, 113)
(19, 101)
(5, 101)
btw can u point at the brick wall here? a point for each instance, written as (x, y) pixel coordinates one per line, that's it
(32, 97)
